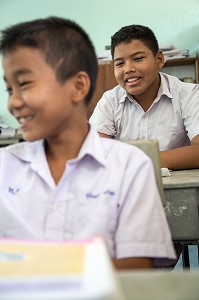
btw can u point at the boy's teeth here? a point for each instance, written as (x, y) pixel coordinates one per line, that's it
(24, 119)
(132, 79)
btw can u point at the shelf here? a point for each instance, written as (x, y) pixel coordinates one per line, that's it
(183, 62)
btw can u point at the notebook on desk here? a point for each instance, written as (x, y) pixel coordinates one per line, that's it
(72, 270)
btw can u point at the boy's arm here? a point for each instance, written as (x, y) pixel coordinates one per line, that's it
(178, 158)
(182, 158)
(133, 263)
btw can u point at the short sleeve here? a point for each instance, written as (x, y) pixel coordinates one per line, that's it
(190, 111)
(103, 115)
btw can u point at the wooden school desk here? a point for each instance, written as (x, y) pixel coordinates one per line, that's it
(182, 206)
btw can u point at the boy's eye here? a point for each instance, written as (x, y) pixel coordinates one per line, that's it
(119, 64)
(9, 90)
(24, 83)
(138, 58)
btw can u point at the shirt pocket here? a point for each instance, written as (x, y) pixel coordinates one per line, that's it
(96, 216)
(173, 136)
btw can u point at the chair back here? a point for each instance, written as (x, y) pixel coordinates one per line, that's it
(151, 148)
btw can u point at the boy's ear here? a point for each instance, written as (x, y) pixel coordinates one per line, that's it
(160, 59)
(81, 85)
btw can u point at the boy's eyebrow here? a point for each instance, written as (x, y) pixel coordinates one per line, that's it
(18, 73)
(119, 58)
(136, 53)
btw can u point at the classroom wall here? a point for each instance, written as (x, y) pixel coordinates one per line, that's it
(173, 22)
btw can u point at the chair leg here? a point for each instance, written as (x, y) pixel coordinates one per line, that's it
(185, 257)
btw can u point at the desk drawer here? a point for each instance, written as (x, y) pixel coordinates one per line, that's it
(181, 207)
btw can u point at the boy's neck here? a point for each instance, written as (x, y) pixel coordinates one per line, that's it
(146, 99)
(59, 151)
(145, 103)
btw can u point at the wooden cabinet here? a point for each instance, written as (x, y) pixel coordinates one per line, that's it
(105, 81)
(183, 67)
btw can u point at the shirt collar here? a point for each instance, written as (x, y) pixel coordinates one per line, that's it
(164, 87)
(31, 152)
(92, 146)
(34, 152)
(125, 96)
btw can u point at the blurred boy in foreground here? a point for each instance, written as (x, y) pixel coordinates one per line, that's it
(65, 182)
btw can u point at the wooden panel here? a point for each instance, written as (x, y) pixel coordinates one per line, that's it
(110, 78)
(105, 81)
(197, 69)
(100, 89)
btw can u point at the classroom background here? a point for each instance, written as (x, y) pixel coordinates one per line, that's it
(173, 22)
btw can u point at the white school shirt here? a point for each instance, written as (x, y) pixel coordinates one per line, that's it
(172, 119)
(109, 190)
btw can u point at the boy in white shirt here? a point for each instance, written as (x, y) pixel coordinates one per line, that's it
(148, 104)
(65, 182)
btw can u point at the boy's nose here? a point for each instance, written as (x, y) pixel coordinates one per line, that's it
(129, 67)
(15, 101)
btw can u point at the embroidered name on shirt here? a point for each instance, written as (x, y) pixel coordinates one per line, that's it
(13, 191)
(108, 192)
(95, 196)
(90, 195)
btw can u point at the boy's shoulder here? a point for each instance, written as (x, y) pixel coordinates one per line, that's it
(113, 97)
(174, 83)
(116, 91)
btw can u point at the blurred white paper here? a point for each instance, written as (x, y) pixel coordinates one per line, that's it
(165, 172)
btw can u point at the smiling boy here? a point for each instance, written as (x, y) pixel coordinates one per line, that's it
(148, 104)
(61, 183)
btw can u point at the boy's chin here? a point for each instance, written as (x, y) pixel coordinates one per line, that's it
(30, 138)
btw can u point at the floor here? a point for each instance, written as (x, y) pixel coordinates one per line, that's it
(193, 257)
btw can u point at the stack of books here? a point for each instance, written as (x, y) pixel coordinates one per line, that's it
(170, 52)
(104, 56)
(6, 131)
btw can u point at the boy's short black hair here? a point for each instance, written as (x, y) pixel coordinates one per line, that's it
(64, 44)
(135, 32)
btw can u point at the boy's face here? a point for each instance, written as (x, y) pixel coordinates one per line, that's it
(42, 105)
(137, 69)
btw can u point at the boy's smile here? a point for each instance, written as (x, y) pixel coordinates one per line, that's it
(131, 81)
(137, 70)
